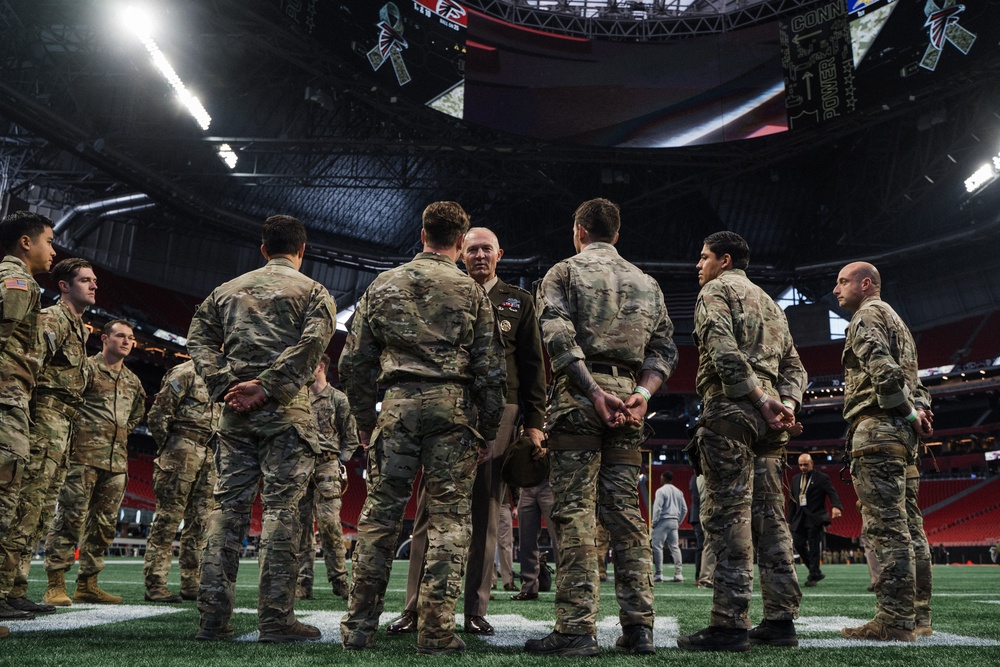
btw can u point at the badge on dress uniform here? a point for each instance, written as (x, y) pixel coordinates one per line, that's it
(512, 304)
(505, 326)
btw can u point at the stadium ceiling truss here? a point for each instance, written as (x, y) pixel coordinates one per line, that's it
(647, 21)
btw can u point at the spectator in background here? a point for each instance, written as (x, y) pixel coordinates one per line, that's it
(669, 510)
(809, 518)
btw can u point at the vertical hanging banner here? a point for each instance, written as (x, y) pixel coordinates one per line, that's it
(818, 64)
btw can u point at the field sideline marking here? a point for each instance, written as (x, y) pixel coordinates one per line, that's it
(512, 629)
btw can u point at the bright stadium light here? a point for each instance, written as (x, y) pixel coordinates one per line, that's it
(140, 23)
(227, 155)
(983, 176)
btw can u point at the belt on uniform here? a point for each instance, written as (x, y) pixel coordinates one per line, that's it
(594, 443)
(53, 403)
(727, 429)
(610, 369)
(328, 456)
(884, 450)
(415, 382)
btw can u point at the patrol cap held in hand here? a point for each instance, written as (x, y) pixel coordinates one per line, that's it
(520, 469)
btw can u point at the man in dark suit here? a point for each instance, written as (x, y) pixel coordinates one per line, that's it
(809, 519)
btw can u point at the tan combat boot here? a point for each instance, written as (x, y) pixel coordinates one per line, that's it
(87, 590)
(55, 594)
(876, 631)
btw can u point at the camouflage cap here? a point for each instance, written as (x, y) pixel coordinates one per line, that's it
(520, 469)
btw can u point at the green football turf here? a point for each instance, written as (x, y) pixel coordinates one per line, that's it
(966, 609)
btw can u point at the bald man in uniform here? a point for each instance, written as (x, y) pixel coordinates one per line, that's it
(889, 411)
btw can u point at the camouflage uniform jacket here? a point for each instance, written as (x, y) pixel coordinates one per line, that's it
(522, 346)
(114, 403)
(338, 434)
(744, 342)
(19, 301)
(182, 406)
(271, 324)
(880, 361)
(597, 307)
(424, 321)
(63, 352)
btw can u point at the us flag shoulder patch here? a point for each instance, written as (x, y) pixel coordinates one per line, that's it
(16, 283)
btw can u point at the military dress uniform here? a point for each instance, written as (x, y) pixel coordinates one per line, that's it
(182, 420)
(271, 324)
(19, 301)
(880, 374)
(87, 513)
(517, 324)
(58, 394)
(599, 308)
(744, 343)
(424, 331)
(338, 437)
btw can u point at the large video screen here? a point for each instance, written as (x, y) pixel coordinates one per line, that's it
(558, 88)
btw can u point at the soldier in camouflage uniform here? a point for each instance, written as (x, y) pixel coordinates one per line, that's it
(518, 325)
(62, 377)
(114, 403)
(608, 335)
(424, 331)
(255, 341)
(750, 381)
(338, 438)
(182, 421)
(26, 240)
(889, 411)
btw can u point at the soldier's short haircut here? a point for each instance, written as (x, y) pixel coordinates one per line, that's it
(283, 235)
(325, 360)
(68, 268)
(732, 244)
(18, 224)
(600, 217)
(667, 477)
(444, 222)
(107, 330)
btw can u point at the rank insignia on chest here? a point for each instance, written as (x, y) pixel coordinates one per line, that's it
(16, 283)
(512, 304)
(505, 326)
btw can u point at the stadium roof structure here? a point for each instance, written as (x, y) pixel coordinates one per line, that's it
(91, 135)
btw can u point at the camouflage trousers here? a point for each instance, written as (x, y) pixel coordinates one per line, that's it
(87, 515)
(426, 425)
(921, 551)
(264, 445)
(880, 482)
(43, 478)
(321, 502)
(591, 485)
(743, 509)
(13, 442)
(183, 478)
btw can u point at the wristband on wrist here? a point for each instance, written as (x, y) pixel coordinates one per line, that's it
(266, 392)
(642, 391)
(788, 403)
(760, 401)
(912, 417)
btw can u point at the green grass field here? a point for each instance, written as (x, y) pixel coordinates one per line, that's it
(966, 608)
